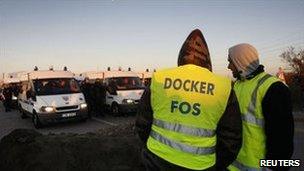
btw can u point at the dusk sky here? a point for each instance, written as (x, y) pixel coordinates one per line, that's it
(92, 35)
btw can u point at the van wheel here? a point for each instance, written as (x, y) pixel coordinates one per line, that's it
(36, 121)
(115, 109)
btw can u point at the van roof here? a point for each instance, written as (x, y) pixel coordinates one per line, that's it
(144, 74)
(22, 76)
(108, 74)
(50, 74)
(11, 80)
(15, 77)
(92, 75)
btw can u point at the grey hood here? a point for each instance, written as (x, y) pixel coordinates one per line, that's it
(245, 58)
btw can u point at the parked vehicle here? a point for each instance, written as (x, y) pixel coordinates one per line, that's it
(124, 90)
(52, 96)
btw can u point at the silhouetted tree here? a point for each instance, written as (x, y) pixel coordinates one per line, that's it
(295, 60)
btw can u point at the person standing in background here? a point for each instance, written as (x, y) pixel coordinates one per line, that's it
(266, 108)
(100, 97)
(86, 89)
(7, 93)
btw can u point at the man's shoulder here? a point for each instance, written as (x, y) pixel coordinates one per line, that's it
(278, 86)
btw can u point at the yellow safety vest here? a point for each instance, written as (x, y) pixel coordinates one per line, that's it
(187, 103)
(250, 94)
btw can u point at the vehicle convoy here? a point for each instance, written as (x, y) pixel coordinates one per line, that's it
(52, 96)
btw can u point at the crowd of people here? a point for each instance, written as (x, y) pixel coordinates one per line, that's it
(95, 96)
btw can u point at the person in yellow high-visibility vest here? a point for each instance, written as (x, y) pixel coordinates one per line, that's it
(189, 117)
(266, 109)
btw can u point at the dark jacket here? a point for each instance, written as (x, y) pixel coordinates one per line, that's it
(86, 88)
(7, 93)
(229, 133)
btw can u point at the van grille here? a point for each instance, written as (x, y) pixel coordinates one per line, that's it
(67, 107)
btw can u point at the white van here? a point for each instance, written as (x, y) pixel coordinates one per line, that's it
(52, 96)
(124, 90)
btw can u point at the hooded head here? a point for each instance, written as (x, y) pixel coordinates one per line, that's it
(244, 58)
(195, 51)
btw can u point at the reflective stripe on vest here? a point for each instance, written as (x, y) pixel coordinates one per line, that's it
(182, 147)
(241, 166)
(200, 132)
(250, 116)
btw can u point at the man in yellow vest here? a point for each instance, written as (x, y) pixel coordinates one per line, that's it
(189, 118)
(266, 111)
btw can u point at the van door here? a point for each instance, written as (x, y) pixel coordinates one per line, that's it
(22, 100)
(32, 98)
(111, 92)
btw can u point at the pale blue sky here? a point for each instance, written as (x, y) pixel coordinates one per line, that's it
(91, 35)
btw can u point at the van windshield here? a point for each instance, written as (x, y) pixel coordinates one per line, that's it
(56, 86)
(126, 83)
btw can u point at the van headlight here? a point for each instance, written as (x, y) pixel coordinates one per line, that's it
(14, 98)
(127, 101)
(83, 105)
(47, 109)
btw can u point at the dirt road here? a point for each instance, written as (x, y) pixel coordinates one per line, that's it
(12, 120)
